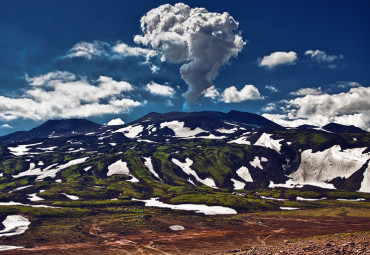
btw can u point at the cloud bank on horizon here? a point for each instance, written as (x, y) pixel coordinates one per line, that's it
(313, 106)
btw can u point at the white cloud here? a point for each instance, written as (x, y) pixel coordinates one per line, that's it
(307, 91)
(322, 57)
(349, 108)
(211, 92)
(160, 90)
(63, 95)
(125, 50)
(232, 95)
(88, 50)
(49, 77)
(202, 40)
(272, 88)
(278, 58)
(6, 126)
(120, 50)
(269, 107)
(346, 84)
(115, 122)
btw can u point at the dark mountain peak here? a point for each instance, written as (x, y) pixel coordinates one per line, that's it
(306, 127)
(339, 128)
(52, 129)
(249, 118)
(204, 116)
(69, 124)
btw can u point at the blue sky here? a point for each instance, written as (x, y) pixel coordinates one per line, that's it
(295, 62)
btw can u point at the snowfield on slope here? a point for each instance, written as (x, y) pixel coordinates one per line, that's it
(131, 131)
(205, 209)
(180, 130)
(120, 167)
(318, 168)
(243, 173)
(365, 184)
(14, 225)
(21, 150)
(238, 184)
(324, 166)
(186, 168)
(149, 165)
(265, 140)
(49, 171)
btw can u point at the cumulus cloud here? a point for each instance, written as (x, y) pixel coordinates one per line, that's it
(115, 122)
(160, 90)
(211, 92)
(6, 126)
(272, 88)
(307, 91)
(278, 58)
(232, 95)
(63, 95)
(321, 57)
(203, 41)
(347, 108)
(119, 50)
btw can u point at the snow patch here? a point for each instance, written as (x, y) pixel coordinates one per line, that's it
(20, 188)
(186, 168)
(205, 209)
(365, 184)
(177, 227)
(354, 200)
(87, 168)
(12, 203)
(120, 167)
(256, 163)
(149, 165)
(290, 184)
(265, 140)
(323, 166)
(241, 140)
(238, 184)
(272, 198)
(9, 247)
(131, 131)
(309, 199)
(243, 173)
(72, 197)
(49, 171)
(180, 130)
(14, 225)
(288, 208)
(21, 150)
(227, 131)
(33, 197)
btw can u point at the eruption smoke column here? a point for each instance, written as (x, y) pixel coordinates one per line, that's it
(202, 40)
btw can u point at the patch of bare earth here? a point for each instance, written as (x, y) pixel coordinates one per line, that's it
(355, 243)
(238, 234)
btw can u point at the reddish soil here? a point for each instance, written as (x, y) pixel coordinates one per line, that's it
(240, 234)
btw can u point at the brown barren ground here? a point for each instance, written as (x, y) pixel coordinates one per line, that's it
(202, 234)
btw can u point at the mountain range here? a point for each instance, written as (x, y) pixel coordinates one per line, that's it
(164, 155)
